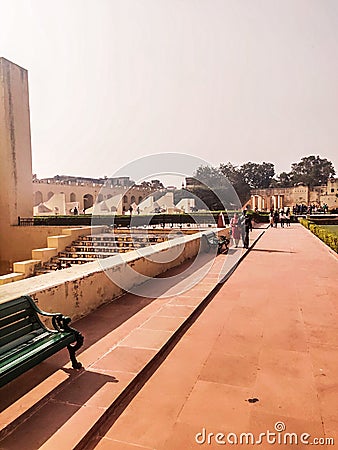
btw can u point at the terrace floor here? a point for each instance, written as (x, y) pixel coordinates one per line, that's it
(230, 358)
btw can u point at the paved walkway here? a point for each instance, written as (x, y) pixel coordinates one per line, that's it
(271, 334)
(150, 381)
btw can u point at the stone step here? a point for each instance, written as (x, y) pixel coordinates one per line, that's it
(98, 248)
(87, 255)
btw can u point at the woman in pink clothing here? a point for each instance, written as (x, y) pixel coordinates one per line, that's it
(235, 229)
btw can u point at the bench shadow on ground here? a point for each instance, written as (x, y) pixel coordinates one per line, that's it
(94, 327)
(60, 409)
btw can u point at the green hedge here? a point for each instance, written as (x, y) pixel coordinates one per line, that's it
(328, 237)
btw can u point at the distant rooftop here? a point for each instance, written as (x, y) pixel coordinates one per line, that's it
(69, 179)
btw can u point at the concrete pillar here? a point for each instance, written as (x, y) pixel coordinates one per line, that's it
(16, 189)
(268, 202)
(253, 202)
(259, 198)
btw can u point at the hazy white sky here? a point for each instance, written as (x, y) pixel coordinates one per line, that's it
(224, 80)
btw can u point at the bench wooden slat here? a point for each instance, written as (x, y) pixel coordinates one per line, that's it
(14, 317)
(17, 326)
(29, 350)
(22, 331)
(16, 346)
(8, 308)
(27, 360)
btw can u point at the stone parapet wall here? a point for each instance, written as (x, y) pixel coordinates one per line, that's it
(79, 290)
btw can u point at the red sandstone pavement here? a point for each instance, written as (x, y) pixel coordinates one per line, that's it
(53, 406)
(270, 333)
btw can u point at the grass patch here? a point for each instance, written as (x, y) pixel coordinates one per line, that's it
(331, 228)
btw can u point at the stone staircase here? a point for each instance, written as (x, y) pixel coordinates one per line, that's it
(91, 247)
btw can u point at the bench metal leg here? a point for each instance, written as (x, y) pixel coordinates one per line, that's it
(72, 348)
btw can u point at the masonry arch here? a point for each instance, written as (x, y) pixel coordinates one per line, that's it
(88, 201)
(140, 199)
(38, 198)
(50, 195)
(133, 199)
(72, 197)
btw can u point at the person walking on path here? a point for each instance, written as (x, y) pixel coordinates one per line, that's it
(247, 229)
(242, 225)
(275, 218)
(235, 229)
(282, 218)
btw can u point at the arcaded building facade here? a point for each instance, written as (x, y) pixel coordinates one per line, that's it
(265, 199)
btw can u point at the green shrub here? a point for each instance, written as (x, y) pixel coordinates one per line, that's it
(328, 237)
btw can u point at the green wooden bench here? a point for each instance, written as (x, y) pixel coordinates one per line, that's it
(221, 243)
(25, 341)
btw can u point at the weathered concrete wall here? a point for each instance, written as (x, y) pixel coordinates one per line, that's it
(17, 243)
(79, 290)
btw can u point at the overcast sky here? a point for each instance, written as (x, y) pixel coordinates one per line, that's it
(224, 80)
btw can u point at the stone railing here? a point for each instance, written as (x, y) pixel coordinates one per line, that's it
(77, 291)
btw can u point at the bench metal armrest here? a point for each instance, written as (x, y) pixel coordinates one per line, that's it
(38, 310)
(59, 321)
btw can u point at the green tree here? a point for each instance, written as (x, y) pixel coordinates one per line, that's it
(210, 176)
(214, 189)
(233, 174)
(311, 170)
(282, 180)
(258, 176)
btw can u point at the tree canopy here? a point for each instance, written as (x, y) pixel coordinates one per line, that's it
(217, 181)
(311, 170)
(257, 176)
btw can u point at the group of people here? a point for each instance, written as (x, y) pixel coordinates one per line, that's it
(240, 228)
(281, 216)
(310, 209)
